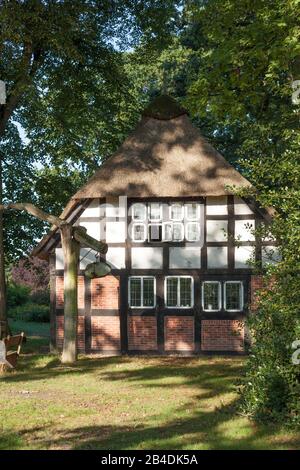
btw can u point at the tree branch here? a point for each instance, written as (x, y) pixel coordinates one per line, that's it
(35, 211)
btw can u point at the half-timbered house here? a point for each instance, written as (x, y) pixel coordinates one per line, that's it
(179, 245)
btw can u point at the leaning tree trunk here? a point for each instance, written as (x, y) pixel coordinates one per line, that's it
(71, 259)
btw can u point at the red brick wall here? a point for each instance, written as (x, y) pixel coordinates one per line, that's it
(60, 333)
(142, 333)
(255, 285)
(105, 333)
(105, 293)
(60, 291)
(222, 335)
(179, 333)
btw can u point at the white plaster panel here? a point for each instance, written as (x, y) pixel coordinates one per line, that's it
(185, 257)
(59, 258)
(115, 257)
(270, 255)
(215, 230)
(240, 207)
(217, 257)
(92, 228)
(147, 258)
(242, 256)
(87, 256)
(93, 209)
(115, 232)
(216, 205)
(243, 230)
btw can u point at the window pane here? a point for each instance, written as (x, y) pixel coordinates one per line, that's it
(168, 232)
(139, 232)
(138, 211)
(154, 211)
(211, 296)
(172, 283)
(192, 211)
(148, 292)
(177, 232)
(233, 296)
(135, 292)
(185, 292)
(176, 212)
(155, 233)
(193, 231)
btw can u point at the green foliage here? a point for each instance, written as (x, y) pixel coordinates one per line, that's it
(271, 388)
(17, 295)
(30, 313)
(40, 297)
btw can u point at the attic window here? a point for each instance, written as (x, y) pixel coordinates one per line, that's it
(192, 231)
(155, 212)
(155, 232)
(192, 211)
(176, 212)
(139, 232)
(173, 232)
(139, 212)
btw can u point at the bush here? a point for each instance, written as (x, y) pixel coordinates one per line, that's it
(271, 387)
(30, 312)
(17, 295)
(40, 297)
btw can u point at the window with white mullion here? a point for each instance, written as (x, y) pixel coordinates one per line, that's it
(176, 212)
(192, 231)
(138, 212)
(141, 292)
(192, 211)
(173, 232)
(139, 232)
(179, 291)
(154, 211)
(233, 296)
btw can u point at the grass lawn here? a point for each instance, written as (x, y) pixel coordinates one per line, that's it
(127, 403)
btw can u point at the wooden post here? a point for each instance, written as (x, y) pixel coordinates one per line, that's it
(71, 259)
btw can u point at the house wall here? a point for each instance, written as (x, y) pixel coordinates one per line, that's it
(107, 323)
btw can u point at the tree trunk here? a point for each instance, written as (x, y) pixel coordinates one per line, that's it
(3, 303)
(71, 259)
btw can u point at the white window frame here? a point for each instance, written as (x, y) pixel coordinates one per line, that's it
(148, 233)
(186, 231)
(142, 291)
(182, 212)
(160, 212)
(182, 232)
(164, 231)
(145, 232)
(145, 211)
(178, 292)
(197, 212)
(219, 292)
(241, 296)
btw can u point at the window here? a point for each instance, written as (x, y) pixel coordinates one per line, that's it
(173, 232)
(141, 292)
(154, 232)
(211, 296)
(176, 212)
(139, 233)
(179, 291)
(192, 211)
(167, 231)
(192, 231)
(155, 211)
(178, 232)
(139, 212)
(233, 296)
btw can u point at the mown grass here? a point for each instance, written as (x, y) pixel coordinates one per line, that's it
(129, 403)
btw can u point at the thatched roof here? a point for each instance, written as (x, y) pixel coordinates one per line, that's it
(163, 157)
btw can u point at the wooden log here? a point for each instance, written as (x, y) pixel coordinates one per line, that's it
(84, 239)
